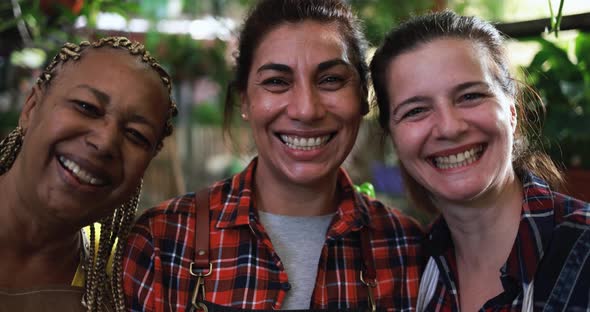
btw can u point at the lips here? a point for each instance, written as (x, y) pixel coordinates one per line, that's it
(83, 174)
(458, 159)
(305, 143)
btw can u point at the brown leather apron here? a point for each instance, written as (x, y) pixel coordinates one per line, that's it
(201, 267)
(44, 299)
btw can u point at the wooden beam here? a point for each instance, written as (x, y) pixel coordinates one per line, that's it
(537, 27)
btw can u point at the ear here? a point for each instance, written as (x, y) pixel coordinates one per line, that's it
(513, 117)
(244, 106)
(30, 108)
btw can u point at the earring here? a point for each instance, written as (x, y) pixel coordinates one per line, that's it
(244, 116)
(9, 148)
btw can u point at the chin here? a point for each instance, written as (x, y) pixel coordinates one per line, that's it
(309, 176)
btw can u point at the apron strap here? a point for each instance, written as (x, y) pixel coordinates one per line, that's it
(200, 267)
(201, 242)
(368, 272)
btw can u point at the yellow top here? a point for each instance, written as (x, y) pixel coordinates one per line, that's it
(80, 277)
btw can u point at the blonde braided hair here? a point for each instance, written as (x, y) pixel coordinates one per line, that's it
(117, 225)
(9, 148)
(73, 51)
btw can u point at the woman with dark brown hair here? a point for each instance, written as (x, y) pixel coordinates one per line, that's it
(96, 117)
(289, 232)
(505, 239)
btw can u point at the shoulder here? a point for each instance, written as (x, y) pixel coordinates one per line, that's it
(570, 237)
(566, 259)
(161, 222)
(180, 205)
(391, 219)
(570, 211)
(176, 213)
(173, 208)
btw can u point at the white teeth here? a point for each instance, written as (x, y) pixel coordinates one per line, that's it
(79, 172)
(458, 160)
(302, 143)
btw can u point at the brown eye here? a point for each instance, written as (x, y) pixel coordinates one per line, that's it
(274, 81)
(471, 96)
(332, 83)
(275, 84)
(138, 138)
(87, 108)
(414, 112)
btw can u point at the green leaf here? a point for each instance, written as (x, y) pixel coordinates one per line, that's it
(366, 188)
(583, 50)
(4, 25)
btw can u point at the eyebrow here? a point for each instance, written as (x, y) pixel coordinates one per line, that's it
(469, 84)
(105, 99)
(102, 97)
(460, 87)
(140, 119)
(408, 101)
(275, 66)
(331, 63)
(286, 69)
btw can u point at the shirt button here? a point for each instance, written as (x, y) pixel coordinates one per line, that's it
(286, 286)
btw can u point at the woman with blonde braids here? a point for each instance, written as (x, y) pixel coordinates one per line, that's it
(96, 117)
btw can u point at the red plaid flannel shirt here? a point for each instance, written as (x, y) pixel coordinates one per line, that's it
(552, 248)
(248, 274)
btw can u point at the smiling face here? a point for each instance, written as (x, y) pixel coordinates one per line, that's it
(451, 124)
(90, 135)
(302, 102)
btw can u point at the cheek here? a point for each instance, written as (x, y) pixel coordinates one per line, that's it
(406, 140)
(261, 102)
(263, 113)
(136, 164)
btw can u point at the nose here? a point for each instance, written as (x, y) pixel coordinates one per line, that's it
(306, 104)
(104, 138)
(450, 123)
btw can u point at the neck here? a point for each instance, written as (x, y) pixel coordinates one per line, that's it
(280, 197)
(483, 231)
(36, 248)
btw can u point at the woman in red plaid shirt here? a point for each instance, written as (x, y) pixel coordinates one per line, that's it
(289, 232)
(505, 240)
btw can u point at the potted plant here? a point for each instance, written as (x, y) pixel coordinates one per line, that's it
(563, 82)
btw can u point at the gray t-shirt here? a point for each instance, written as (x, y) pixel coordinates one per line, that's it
(298, 241)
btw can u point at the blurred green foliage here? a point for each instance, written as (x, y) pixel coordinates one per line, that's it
(563, 82)
(8, 120)
(187, 58)
(51, 25)
(207, 114)
(380, 16)
(492, 10)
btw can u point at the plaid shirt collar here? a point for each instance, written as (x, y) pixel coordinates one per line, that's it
(538, 222)
(240, 209)
(536, 225)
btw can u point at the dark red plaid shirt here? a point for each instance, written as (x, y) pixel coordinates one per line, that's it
(552, 248)
(248, 274)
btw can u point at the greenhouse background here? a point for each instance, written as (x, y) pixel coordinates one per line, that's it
(195, 41)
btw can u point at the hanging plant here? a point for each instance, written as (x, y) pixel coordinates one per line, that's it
(556, 18)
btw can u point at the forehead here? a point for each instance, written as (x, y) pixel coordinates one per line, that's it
(113, 70)
(437, 64)
(311, 41)
(104, 59)
(130, 84)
